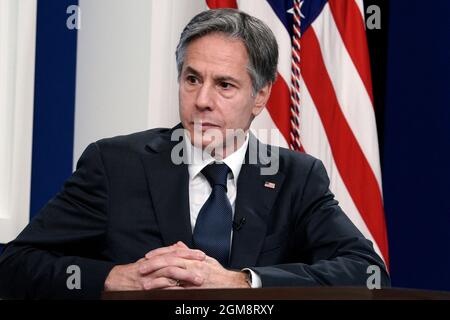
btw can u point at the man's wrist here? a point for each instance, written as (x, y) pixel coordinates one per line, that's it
(238, 279)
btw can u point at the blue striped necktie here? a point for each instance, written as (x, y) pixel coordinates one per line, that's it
(212, 232)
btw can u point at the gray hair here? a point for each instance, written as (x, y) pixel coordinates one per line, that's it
(261, 45)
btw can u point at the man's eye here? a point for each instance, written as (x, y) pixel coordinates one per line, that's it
(191, 79)
(225, 85)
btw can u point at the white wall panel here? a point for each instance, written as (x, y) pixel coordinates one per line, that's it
(17, 52)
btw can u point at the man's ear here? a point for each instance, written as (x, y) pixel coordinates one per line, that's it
(261, 98)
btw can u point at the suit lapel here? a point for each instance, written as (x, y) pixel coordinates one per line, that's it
(254, 202)
(169, 189)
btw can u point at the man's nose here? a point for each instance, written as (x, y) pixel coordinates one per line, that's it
(204, 97)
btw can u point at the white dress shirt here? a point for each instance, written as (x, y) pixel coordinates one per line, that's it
(200, 189)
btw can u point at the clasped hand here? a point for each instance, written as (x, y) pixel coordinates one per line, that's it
(173, 267)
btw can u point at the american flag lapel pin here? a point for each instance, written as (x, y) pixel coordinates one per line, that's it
(270, 185)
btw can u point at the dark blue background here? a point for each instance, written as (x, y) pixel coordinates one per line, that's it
(54, 101)
(416, 160)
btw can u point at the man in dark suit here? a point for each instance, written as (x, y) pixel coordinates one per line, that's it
(204, 204)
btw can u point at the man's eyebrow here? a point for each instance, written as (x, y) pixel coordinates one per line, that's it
(191, 70)
(227, 78)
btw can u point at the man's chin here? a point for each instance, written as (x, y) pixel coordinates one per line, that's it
(208, 145)
(206, 138)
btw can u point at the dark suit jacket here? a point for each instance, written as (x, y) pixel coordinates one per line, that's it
(127, 197)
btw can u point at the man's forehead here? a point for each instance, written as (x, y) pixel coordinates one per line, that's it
(219, 44)
(220, 54)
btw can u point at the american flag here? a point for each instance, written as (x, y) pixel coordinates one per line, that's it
(322, 101)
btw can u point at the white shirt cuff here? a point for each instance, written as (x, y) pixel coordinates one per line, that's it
(256, 279)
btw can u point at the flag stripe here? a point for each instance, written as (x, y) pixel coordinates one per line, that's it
(350, 160)
(214, 4)
(353, 35)
(352, 96)
(315, 141)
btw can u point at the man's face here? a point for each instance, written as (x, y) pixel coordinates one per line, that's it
(215, 89)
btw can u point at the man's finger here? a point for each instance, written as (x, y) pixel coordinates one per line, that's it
(181, 244)
(159, 283)
(156, 263)
(159, 251)
(176, 273)
(178, 252)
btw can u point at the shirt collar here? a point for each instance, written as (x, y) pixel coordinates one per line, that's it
(200, 159)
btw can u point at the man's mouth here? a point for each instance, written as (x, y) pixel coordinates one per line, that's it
(205, 125)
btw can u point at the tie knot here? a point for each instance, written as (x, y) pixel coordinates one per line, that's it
(216, 174)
